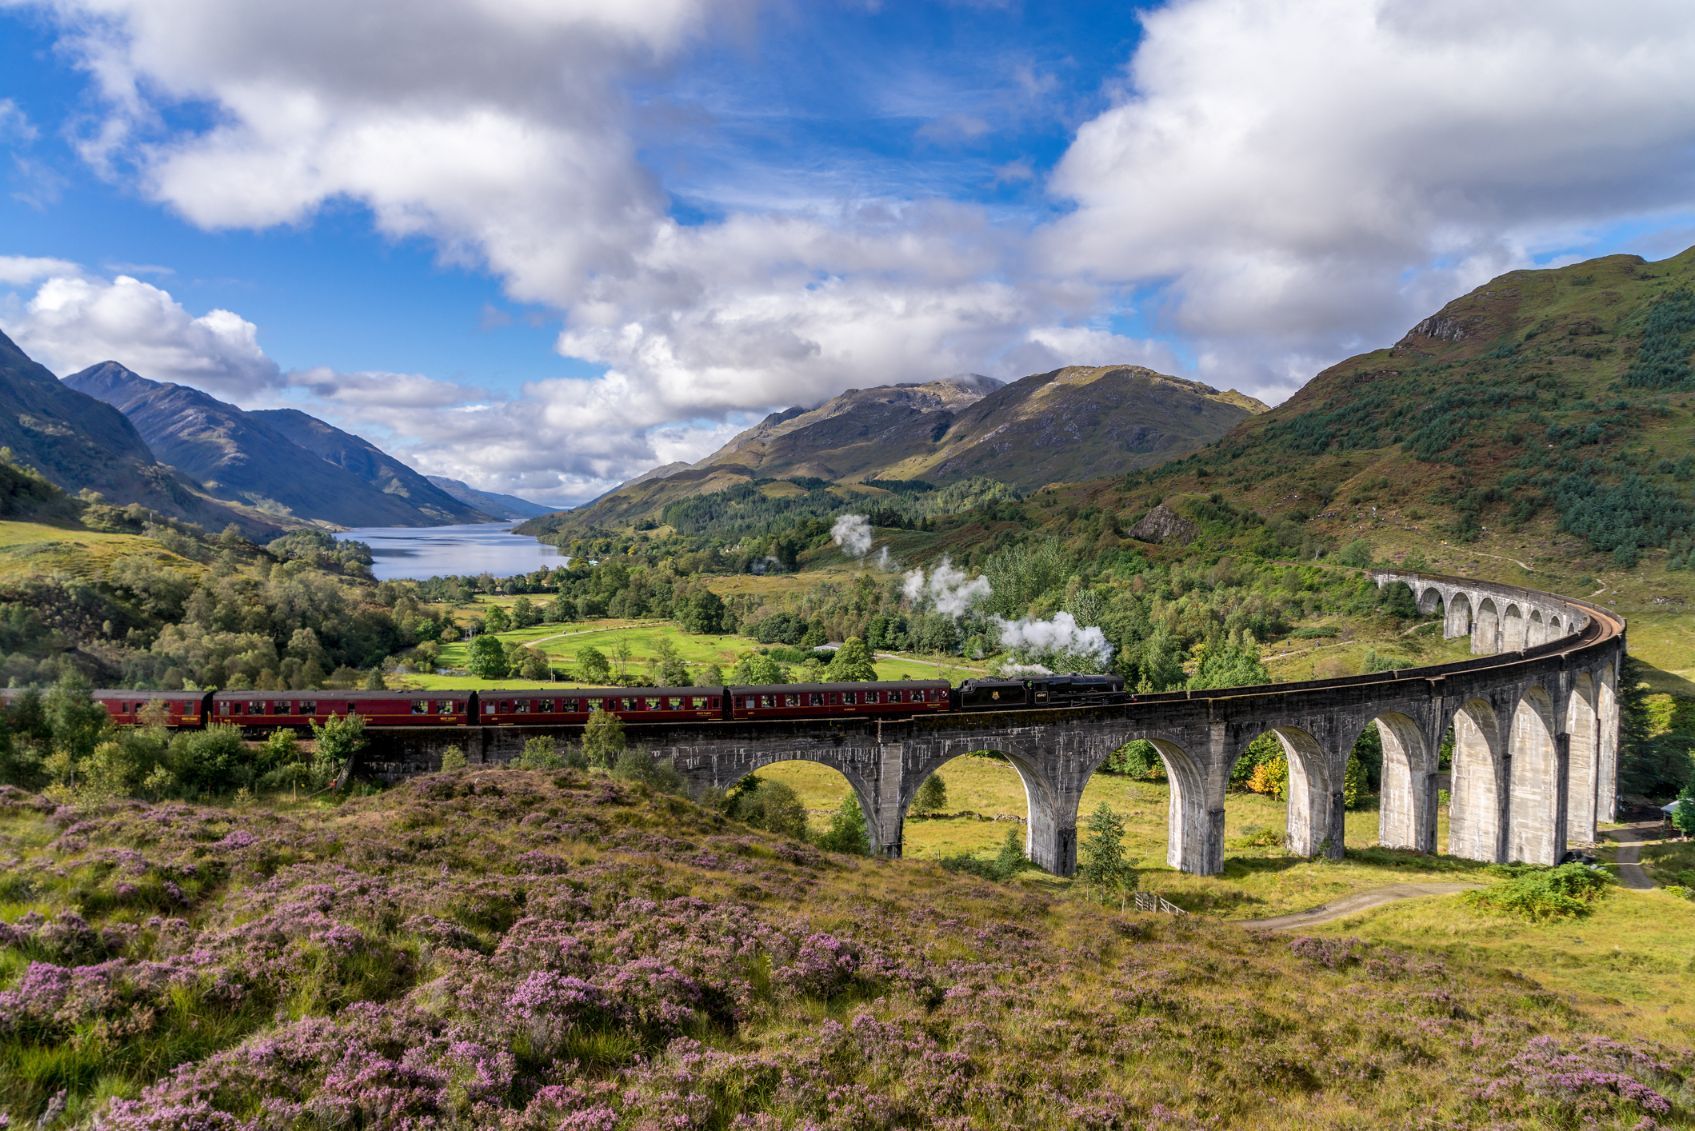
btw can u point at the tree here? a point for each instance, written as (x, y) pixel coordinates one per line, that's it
(1683, 817)
(374, 680)
(604, 739)
(1221, 663)
(702, 612)
(852, 663)
(496, 620)
(1354, 783)
(769, 805)
(487, 658)
(593, 665)
(339, 741)
(757, 668)
(524, 613)
(621, 656)
(532, 664)
(452, 759)
(1102, 867)
(75, 721)
(539, 753)
(670, 669)
(932, 796)
(847, 831)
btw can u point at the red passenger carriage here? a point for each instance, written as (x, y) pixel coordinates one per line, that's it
(568, 706)
(377, 708)
(835, 700)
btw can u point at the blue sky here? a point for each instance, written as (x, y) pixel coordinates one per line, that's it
(542, 246)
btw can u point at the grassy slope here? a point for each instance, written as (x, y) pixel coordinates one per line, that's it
(30, 549)
(986, 799)
(965, 1004)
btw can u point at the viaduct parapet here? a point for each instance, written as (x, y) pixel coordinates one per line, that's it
(1534, 717)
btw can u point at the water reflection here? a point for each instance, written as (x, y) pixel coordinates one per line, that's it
(439, 551)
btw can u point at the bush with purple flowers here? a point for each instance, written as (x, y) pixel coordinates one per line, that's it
(518, 950)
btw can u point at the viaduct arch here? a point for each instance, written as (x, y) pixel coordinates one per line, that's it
(1534, 713)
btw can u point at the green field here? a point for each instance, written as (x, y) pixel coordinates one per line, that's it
(565, 643)
(1630, 962)
(986, 798)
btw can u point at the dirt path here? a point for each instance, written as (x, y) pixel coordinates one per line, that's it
(1359, 901)
(1630, 839)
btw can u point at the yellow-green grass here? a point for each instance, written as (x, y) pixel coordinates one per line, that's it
(1630, 963)
(33, 550)
(986, 798)
(565, 644)
(1668, 861)
(1326, 657)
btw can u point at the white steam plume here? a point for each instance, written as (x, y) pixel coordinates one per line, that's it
(1059, 635)
(946, 589)
(852, 532)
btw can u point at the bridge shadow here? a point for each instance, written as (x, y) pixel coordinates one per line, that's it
(1658, 679)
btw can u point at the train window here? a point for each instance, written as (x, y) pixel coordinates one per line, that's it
(653, 704)
(523, 707)
(675, 702)
(747, 701)
(873, 697)
(629, 704)
(767, 700)
(308, 708)
(445, 707)
(422, 706)
(850, 697)
(791, 700)
(488, 708)
(816, 699)
(545, 706)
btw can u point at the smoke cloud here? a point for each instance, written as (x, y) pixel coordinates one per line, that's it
(852, 532)
(1059, 635)
(946, 589)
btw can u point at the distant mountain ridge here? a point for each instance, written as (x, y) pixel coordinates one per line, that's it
(1070, 424)
(252, 459)
(81, 443)
(491, 503)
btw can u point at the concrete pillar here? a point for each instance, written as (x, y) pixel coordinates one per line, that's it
(1475, 820)
(1607, 742)
(1456, 621)
(1486, 628)
(884, 817)
(1316, 808)
(1533, 792)
(1583, 746)
(1051, 840)
(1195, 815)
(1407, 801)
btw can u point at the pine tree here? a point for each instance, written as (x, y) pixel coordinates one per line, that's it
(847, 831)
(1103, 868)
(932, 796)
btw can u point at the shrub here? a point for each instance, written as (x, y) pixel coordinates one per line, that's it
(1102, 868)
(932, 796)
(769, 805)
(639, 765)
(847, 831)
(539, 753)
(339, 741)
(1005, 864)
(1541, 894)
(603, 739)
(453, 758)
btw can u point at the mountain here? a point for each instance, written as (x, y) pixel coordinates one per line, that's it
(242, 457)
(371, 465)
(80, 443)
(491, 503)
(1548, 417)
(1074, 423)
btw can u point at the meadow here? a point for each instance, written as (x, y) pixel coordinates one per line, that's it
(565, 643)
(564, 949)
(1260, 880)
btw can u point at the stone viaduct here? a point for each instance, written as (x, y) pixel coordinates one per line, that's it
(1534, 719)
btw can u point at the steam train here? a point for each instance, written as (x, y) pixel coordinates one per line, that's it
(271, 710)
